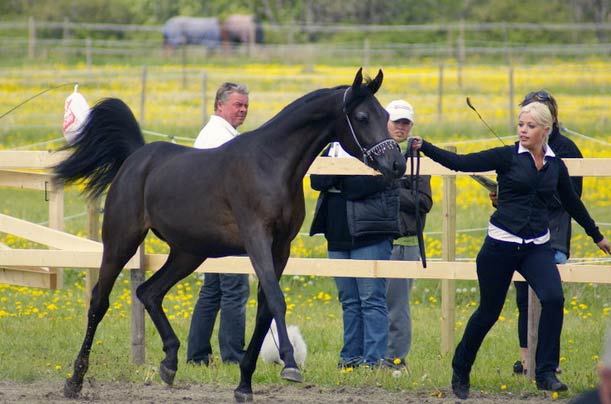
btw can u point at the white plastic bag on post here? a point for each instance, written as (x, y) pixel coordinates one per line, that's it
(76, 110)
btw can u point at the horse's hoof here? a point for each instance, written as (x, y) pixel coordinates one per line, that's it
(71, 389)
(166, 374)
(242, 397)
(292, 375)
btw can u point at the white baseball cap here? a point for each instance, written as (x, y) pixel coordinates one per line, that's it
(400, 109)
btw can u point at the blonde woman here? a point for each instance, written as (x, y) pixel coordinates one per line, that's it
(528, 174)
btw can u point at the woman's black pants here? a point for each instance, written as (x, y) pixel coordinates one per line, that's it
(496, 263)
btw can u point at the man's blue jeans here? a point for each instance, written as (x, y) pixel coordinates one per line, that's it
(363, 303)
(229, 293)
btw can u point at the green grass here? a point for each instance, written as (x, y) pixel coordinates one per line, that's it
(44, 350)
(41, 331)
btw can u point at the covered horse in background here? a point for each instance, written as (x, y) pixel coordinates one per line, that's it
(180, 31)
(237, 29)
(245, 196)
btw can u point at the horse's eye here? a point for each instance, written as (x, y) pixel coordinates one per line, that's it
(361, 116)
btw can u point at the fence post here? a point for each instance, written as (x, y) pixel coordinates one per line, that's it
(137, 323)
(204, 98)
(143, 95)
(54, 194)
(461, 51)
(31, 38)
(440, 93)
(252, 36)
(512, 122)
(366, 53)
(534, 312)
(448, 253)
(65, 37)
(88, 53)
(184, 76)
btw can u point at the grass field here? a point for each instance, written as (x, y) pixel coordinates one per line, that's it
(41, 330)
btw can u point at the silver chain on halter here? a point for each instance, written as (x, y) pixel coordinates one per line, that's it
(375, 150)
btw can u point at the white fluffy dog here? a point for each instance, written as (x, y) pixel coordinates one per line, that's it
(269, 350)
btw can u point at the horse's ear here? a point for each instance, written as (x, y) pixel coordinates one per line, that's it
(374, 85)
(358, 79)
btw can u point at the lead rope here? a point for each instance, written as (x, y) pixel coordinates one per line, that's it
(414, 176)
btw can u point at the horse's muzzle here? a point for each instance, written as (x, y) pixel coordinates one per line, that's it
(390, 163)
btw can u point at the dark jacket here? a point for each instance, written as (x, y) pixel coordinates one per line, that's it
(525, 193)
(559, 219)
(355, 211)
(407, 198)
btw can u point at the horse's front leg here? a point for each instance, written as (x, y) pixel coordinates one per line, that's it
(268, 268)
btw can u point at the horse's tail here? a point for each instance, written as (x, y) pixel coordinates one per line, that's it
(109, 135)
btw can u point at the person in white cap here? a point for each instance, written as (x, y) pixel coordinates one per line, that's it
(405, 248)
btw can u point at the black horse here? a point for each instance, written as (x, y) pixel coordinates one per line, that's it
(243, 197)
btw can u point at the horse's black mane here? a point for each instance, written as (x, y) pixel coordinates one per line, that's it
(358, 95)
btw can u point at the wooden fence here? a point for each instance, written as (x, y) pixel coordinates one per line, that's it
(36, 267)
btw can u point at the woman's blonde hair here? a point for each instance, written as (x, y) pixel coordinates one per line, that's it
(540, 114)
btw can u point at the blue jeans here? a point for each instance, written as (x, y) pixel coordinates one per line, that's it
(398, 291)
(229, 294)
(363, 303)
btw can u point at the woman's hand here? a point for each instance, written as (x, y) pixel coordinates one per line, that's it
(415, 142)
(494, 198)
(604, 245)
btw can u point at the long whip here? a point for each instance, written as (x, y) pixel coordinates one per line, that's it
(35, 96)
(482, 119)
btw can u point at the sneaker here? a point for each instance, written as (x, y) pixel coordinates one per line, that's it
(394, 364)
(460, 385)
(205, 361)
(518, 368)
(549, 381)
(352, 363)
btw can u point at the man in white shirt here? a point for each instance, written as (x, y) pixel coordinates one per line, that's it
(230, 110)
(225, 292)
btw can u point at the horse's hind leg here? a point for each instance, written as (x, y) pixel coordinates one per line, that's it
(151, 294)
(109, 270)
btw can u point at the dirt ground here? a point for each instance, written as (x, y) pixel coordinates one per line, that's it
(115, 393)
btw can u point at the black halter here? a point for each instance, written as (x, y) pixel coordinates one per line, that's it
(414, 177)
(375, 150)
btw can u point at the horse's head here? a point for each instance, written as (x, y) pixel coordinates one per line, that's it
(364, 132)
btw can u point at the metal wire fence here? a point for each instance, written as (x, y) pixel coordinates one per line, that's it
(464, 43)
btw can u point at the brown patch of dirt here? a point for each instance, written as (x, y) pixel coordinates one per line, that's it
(115, 393)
